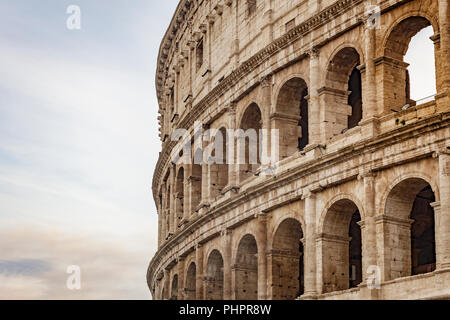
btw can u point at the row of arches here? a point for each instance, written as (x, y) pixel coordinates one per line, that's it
(341, 96)
(409, 249)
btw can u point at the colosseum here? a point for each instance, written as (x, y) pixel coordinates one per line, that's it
(357, 205)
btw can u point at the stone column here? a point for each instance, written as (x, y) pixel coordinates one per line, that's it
(370, 266)
(267, 29)
(437, 221)
(443, 258)
(160, 227)
(262, 257)
(266, 108)
(234, 55)
(227, 287)
(369, 250)
(181, 278)
(314, 103)
(444, 23)
(370, 85)
(231, 152)
(310, 261)
(199, 272)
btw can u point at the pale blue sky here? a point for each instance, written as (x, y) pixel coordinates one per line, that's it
(78, 145)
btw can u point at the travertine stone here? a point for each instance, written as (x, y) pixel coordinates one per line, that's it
(360, 182)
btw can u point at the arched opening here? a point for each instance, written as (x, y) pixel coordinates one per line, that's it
(219, 169)
(343, 94)
(355, 98)
(341, 247)
(287, 261)
(291, 117)
(196, 186)
(214, 276)
(249, 142)
(191, 284)
(174, 290)
(409, 67)
(413, 231)
(246, 269)
(421, 72)
(179, 197)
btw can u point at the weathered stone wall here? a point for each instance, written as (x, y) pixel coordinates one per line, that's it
(229, 232)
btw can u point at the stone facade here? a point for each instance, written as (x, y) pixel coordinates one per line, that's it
(360, 205)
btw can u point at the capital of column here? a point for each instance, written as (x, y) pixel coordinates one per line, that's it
(309, 194)
(444, 151)
(367, 174)
(266, 81)
(226, 232)
(314, 52)
(231, 107)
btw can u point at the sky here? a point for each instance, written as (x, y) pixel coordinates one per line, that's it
(79, 142)
(78, 145)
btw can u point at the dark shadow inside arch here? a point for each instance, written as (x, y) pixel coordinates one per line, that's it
(191, 285)
(341, 247)
(415, 250)
(179, 196)
(246, 269)
(174, 290)
(291, 117)
(214, 276)
(287, 261)
(249, 144)
(344, 90)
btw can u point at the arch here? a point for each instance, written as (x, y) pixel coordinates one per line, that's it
(219, 168)
(249, 142)
(329, 204)
(405, 176)
(246, 269)
(343, 91)
(396, 78)
(191, 281)
(410, 225)
(179, 197)
(214, 276)
(287, 261)
(291, 116)
(174, 288)
(341, 244)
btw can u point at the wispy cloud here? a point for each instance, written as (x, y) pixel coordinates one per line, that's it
(25, 267)
(78, 135)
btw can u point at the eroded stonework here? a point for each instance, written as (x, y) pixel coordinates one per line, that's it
(360, 205)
